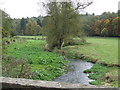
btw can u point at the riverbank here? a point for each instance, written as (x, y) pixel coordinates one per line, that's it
(104, 53)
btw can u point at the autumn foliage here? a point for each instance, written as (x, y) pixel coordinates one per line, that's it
(103, 25)
(107, 27)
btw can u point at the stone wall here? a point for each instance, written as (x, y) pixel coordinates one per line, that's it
(21, 83)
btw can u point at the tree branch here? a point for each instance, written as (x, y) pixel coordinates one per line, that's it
(82, 6)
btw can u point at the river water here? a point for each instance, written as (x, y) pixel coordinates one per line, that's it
(75, 73)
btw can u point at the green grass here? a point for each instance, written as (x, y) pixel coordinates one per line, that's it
(30, 37)
(44, 65)
(105, 50)
(97, 72)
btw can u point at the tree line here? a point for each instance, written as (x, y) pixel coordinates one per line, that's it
(24, 26)
(106, 24)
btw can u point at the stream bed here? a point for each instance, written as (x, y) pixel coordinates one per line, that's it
(75, 73)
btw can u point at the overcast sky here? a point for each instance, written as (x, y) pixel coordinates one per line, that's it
(29, 8)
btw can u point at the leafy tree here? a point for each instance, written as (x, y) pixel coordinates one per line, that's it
(6, 24)
(107, 15)
(63, 23)
(6, 28)
(115, 26)
(16, 27)
(32, 28)
(89, 24)
(23, 26)
(119, 13)
(98, 25)
(39, 21)
(104, 32)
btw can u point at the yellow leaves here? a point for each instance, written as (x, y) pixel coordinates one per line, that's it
(116, 20)
(107, 21)
(99, 21)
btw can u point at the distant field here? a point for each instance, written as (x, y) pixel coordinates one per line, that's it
(30, 37)
(103, 49)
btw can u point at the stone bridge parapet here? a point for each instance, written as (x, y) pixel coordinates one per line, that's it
(43, 85)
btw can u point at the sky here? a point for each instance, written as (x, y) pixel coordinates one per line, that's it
(30, 8)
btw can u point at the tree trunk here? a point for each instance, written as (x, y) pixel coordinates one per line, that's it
(60, 43)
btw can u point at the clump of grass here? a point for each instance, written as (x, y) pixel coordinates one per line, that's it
(97, 72)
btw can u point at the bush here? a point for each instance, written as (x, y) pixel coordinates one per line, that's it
(80, 41)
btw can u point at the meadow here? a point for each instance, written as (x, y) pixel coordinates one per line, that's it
(104, 50)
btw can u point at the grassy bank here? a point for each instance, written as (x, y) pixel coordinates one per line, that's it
(44, 65)
(100, 50)
(104, 50)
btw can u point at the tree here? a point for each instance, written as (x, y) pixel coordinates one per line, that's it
(16, 27)
(63, 23)
(119, 13)
(98, 27)
(32, 28)
(104, 32)
(6, 24)
(115, 26)
(40, 21)
(6, 28)
(22, 26)
(89, 24)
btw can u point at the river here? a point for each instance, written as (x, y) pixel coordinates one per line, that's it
(75, 72)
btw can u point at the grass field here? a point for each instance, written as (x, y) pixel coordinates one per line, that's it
(103, 49)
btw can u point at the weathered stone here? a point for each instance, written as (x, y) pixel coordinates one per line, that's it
(29, 83)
